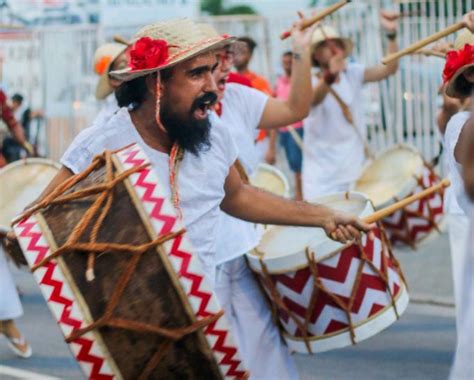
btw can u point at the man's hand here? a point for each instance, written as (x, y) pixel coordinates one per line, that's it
(389, 20)
(301, 39)
(468, 20)
(344, 227)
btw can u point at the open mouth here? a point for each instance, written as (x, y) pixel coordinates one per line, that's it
(203, 109)
(221, 84)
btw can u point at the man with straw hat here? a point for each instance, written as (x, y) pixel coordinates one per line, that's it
(244, 111)
(169, 91)
(335, 128)
(458, 76)
(108, 57)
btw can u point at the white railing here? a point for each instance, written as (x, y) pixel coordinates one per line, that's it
(56, 72)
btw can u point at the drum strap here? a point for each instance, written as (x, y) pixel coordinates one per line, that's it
(95, 215)
(347, 113)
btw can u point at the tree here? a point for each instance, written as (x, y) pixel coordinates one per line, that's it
(216, 8)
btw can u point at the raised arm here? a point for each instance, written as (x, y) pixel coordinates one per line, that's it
(279, 113)
(389, 22)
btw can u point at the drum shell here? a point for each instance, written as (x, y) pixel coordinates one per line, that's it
(292, 279)
(167, 288)
(19, 186)
(421, 220)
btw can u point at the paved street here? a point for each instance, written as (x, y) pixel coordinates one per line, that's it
(419, 346)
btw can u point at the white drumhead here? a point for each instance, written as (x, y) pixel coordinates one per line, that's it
(270, 179)
(22, 182)
(392, 174)
(283, 247)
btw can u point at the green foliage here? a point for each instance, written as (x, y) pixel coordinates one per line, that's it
(216, 8)
(239, 10)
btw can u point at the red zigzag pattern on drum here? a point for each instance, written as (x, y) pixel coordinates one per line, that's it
(370, 289)
(84, 354)
(130, 157)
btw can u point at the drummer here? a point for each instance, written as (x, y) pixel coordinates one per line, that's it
(335, 130)
(458, 77)
(244, 111)
(456, 98)
(169, 90)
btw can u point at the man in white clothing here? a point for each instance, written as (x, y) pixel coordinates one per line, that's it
(335, 130)
(169, 90)
(244, 111)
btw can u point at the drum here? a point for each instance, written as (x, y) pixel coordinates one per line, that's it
(328, 295)
(22, 182)
(115, 266)
(271, 179)
(397, 173)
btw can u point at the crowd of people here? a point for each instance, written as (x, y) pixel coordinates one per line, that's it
(173, 89)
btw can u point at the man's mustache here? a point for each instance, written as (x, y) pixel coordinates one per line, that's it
(208, 99)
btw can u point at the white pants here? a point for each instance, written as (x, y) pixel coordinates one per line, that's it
(263, 352)
(463, 367)
(10, 305)
(458, 234)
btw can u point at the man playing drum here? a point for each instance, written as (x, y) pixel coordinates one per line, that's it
(456, 89)
(335, 128)
(459, 139)
(169, 89)
(243, 111)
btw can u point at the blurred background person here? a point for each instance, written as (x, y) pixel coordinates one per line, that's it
(293, 150)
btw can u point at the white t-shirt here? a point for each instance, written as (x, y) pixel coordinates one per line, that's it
(242, 110)
(109, 107)
(334, 153)
(457, 201)
(200, 179)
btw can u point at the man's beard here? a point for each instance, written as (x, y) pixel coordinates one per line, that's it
(189, 133)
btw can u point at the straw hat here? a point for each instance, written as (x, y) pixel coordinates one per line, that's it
(324, 33)
(165, 44)
(104, 57)
(457, 62)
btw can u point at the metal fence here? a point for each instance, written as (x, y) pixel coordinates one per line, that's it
(56, 75)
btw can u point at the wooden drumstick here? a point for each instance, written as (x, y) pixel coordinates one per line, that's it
(422, 43)
(430, 53)
(380, 214)
(317, 17)
(121, 40)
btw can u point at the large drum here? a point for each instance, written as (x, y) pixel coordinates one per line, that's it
(395, 174)
(328, 295)
(271, 179)
(21, 183)
(119, 275)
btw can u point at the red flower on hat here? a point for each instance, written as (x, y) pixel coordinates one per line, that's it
(455, 59)
(147, 53)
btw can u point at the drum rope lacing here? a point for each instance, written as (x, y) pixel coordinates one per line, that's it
(279, 304)
(101, 206)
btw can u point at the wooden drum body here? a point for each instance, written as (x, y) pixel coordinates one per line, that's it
(127, 292)
(328, 295)
(395, 174)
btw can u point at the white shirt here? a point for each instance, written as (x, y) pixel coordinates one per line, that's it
(242, 110)
(457, 201)
(335, 153)
(200, 179)
(109, 107)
